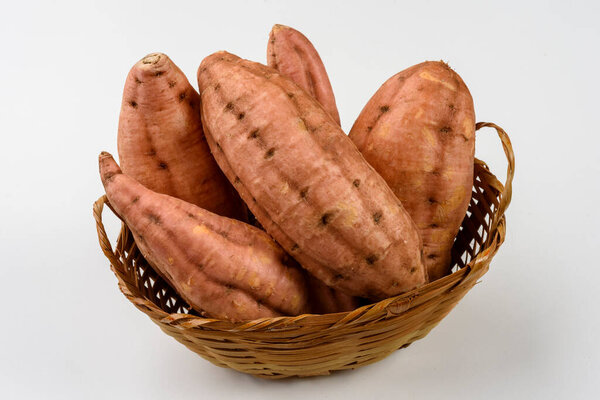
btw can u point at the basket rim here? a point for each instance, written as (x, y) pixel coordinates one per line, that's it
(392, 305)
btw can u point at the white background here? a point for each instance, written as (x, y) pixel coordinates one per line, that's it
(530, 329)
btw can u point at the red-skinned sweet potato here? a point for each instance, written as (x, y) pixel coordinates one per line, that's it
(222, 267)
(294, 56)
(306, 182)
(418, 132)
(161, 143)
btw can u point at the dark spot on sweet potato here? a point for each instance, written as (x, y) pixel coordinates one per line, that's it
(135, 199)
(369, 128)
(133, 104)
(229, 106)
(435, 172)
(218, 145)
(154, 219)
(431, 256)
(371, 259)
(237, 179)
(241, 115)
(290, 95)
(433, 225)
(356, 182)
(163, 165)
(138, 81)
(294, 247)
(413, 270)
(190, 215)
(151, 152)
(303, 192)
(269, 154)
(109, 176)
(253, 199)
(217, 86)
(326, 218)
(431, 200)
(377, 216)
(451, 106)
(384, 109)
(446, 129)
(172, 84)
(228, 289)
(199, 266)
(465, 137)
(159, 73)
(395, 284)
(253, 134)
(182, 96)
(192, 104)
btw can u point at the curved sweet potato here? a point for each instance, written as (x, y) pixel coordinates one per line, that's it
(161, 143)
(418, 132)
(221, 266)
(294, 56)
(306, 182)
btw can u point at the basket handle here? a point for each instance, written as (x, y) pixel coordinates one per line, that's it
(102, 236)
(510, 172)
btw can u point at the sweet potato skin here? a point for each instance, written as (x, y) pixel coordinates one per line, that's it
(418, 132)
(161, 142)
(222, 267)
(325, 300)
(306, 182)
(294, 56)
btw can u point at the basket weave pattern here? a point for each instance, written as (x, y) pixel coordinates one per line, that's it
(310, 344)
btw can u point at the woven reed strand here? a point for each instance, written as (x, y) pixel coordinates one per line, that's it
(308, 345)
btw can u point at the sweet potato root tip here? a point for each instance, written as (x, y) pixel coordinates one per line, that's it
(152, 58)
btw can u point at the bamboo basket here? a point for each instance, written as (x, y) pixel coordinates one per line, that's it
(310, 344)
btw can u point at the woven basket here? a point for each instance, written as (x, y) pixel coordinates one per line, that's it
(308, 345)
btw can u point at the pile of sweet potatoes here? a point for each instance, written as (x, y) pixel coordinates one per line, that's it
(250, 200)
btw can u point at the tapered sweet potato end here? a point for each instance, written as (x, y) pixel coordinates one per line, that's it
(294, 56)
(279, 29)
(144, 75)
(153, 64)
(108, 167)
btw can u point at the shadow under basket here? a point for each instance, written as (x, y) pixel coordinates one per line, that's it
(310, 344)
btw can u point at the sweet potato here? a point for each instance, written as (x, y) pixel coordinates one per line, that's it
(220, 266)
(161, 143)
(306, 182)
(324, 299)
(294, 56)
(418, 132)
